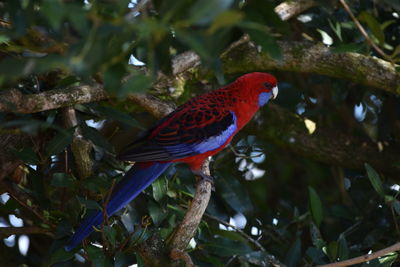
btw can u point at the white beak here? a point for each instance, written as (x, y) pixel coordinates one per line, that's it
(275, 92)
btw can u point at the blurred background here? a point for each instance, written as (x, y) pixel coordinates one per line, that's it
(313, 179)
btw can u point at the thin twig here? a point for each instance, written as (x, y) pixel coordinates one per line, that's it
(364, 258)
(29, 230)
(363, 31)
(231, 260)
(240, 231)
(272, 259)
(25, 200)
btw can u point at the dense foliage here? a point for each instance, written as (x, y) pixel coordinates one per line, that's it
(289, 202)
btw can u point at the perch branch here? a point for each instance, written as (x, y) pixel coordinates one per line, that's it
(365, 258)
(187, 228)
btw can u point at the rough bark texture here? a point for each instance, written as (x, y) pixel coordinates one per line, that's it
(315, 58)
(187, 228)
(16, 102)
(240, 58)
(81, 148)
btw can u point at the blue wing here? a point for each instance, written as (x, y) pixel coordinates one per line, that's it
(184, 136)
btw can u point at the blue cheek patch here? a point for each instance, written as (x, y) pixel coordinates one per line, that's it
(263, 98)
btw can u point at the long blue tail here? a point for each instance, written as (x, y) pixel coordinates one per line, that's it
(135, 181)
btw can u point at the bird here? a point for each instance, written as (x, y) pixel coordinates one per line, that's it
(193, 132)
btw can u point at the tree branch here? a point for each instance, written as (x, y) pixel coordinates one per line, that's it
(239, 58)
(80, 147)
(187, 228)
(365, 258)
(314, 58)
(290, 9)
(14, 101)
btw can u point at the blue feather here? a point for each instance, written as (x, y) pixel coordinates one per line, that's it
(208, 144)
(135, 181)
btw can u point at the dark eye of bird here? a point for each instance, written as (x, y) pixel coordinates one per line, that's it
(267, 85)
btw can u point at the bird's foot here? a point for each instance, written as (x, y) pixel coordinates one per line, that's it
(205, 177)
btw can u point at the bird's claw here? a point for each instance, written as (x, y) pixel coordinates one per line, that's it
(205, 177)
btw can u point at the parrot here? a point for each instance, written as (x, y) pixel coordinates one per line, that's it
(196, 130)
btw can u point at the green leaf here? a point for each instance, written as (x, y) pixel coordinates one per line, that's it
(353, 47)
(225, 19)
(95, 183)
(317, 256)
(123, 259)
(374, 25)
(67, 81)
(115, 114)
(205, 11)
(315, 206)
(388, 259)
(225, 247)
(4, 39)
(111, 235)
(54, 11)
(159, 188)
(258, 258)
(96, 137)
(27, 155)
(195, 42)
(293, 255)
(343, 249)
(396, 206)
(59, 142)
(157, 214)
(138, 83)
(61, 255)
(62, 180)
(332, 250)
(261, 35)
(113, 77)
(316, 236)
(233, 193)
(89, 204)
(375, 180)
(97, 257)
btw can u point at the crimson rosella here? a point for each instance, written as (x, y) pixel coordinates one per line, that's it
(193, 132)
